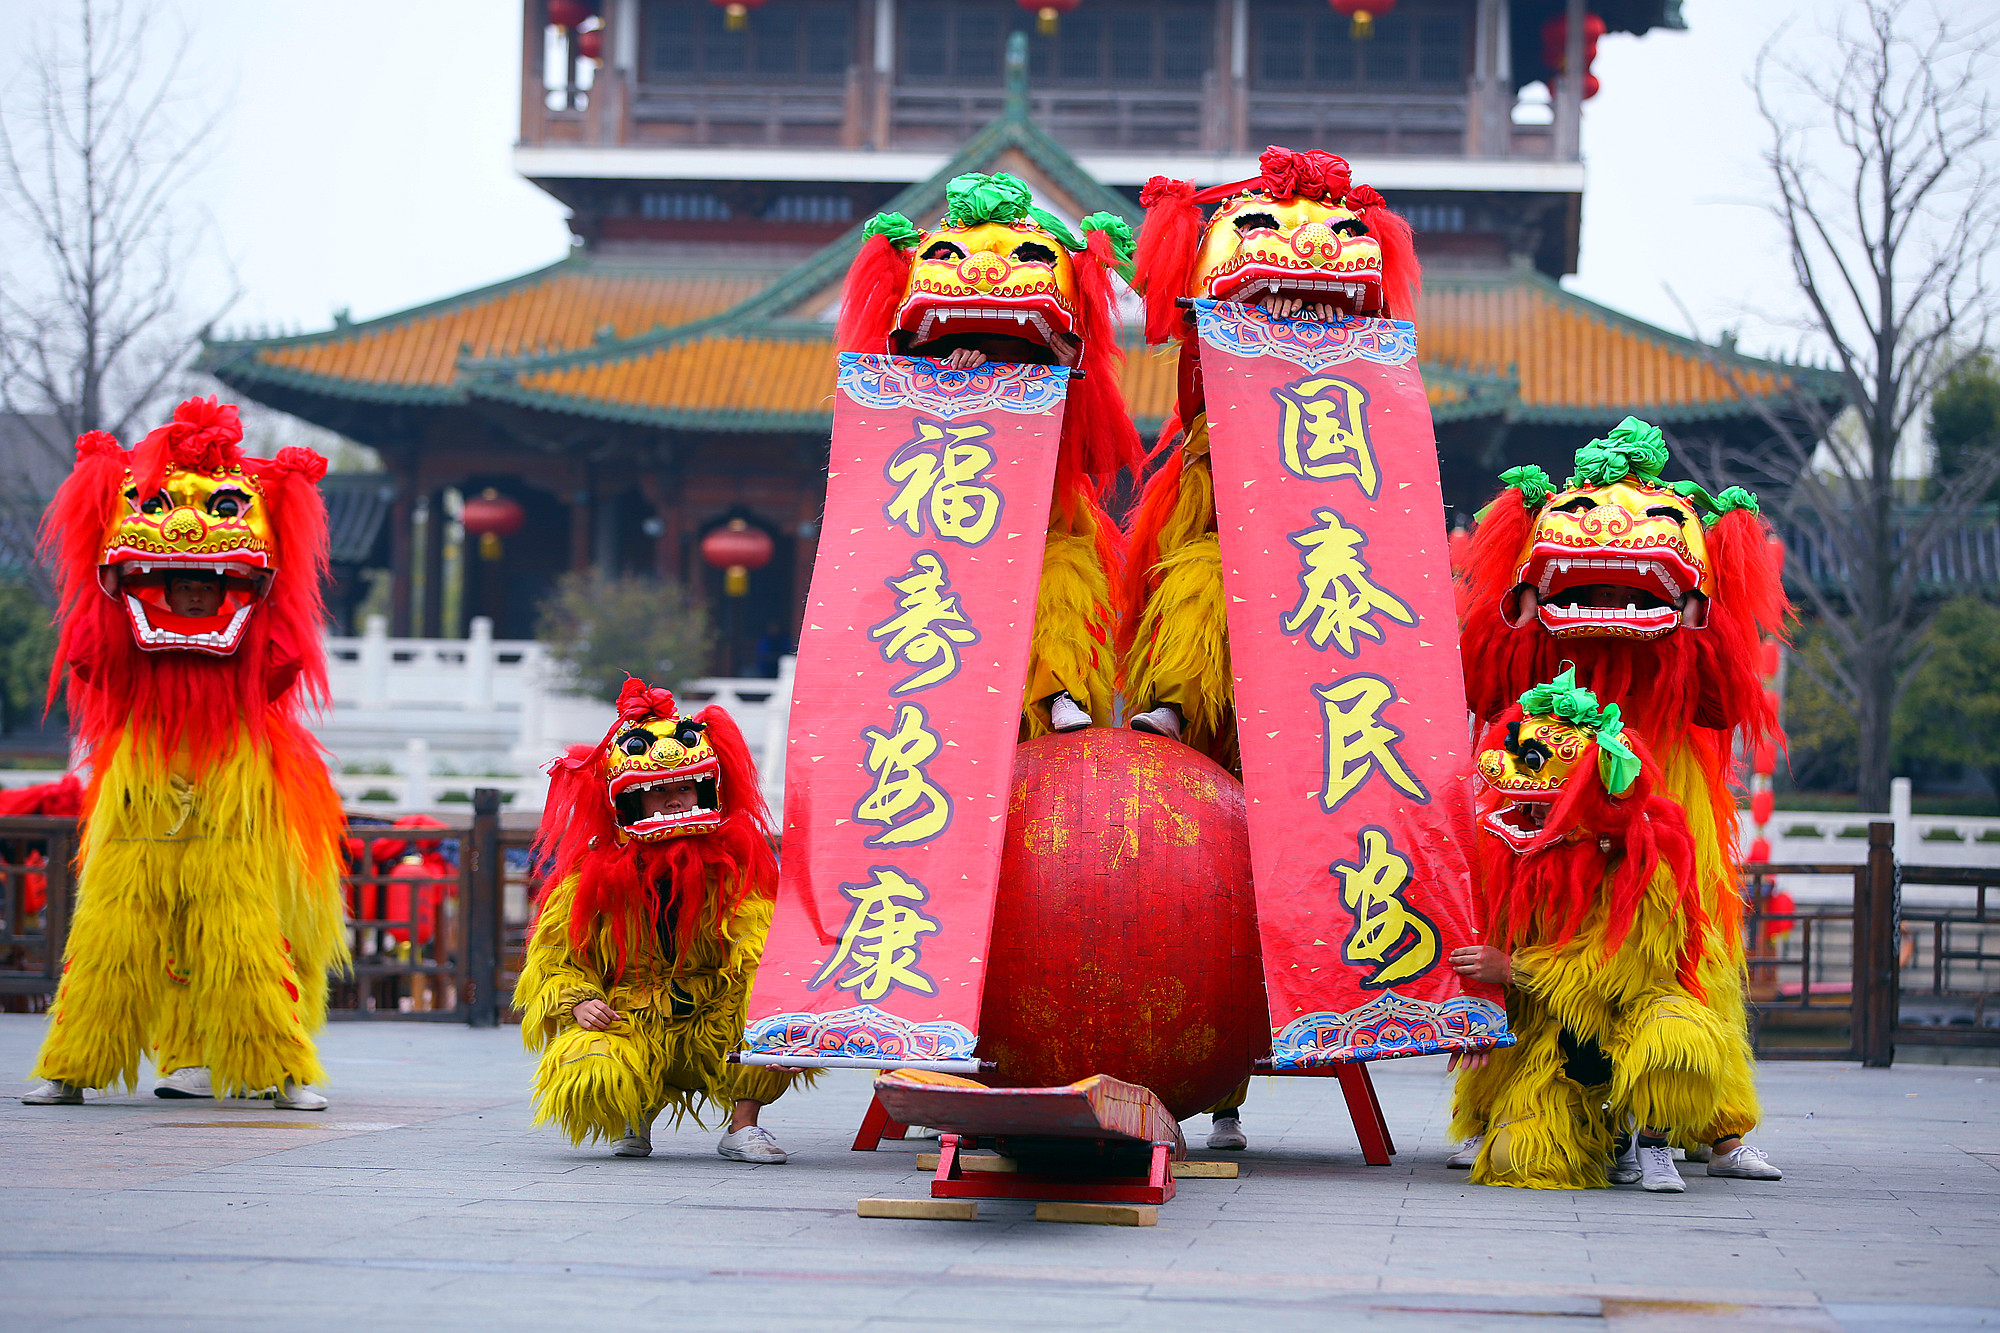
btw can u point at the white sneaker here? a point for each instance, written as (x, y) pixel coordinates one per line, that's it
(1744, 1162)
(1161, 721)
(293, 1097)
(636, 1143)
(1225, 1134)
(752, 1143)
(187, 1081)
(1624, 1169)
(1065, 714)
(1657, 1173)
(1467, 1154)
(55, 1093)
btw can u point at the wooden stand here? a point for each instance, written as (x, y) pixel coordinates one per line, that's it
(952, 1181)
(876, 1126)
(1365, 1109)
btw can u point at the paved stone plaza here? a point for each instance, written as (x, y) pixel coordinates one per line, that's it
(424, 1200)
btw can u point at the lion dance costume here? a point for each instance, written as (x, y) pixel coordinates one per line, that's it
(1003, 277)
(1589, 881)
(1300, 235)
(657, 907)
(208, 883)
(1661, 596)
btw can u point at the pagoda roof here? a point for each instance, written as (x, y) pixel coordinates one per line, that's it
(745, 348)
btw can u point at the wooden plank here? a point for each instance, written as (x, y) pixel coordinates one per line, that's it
(1100, 1214)
(925, 1210)
(1203, 1170)
(927, 1161)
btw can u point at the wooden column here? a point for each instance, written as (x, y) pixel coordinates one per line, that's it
(579, 527)
(402, 548)
(1569, 87)
(883, 60)
(1489, 128)
(431, 625)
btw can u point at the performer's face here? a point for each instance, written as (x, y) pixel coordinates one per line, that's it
(193, 595)
(1007, 290)
(1627, 560)
(663, 779)
(1305, 257)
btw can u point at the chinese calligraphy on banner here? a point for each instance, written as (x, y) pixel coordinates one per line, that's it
(1350, 702)
(905, 710)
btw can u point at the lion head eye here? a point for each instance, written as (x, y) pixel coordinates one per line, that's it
(1030, 253)
(1349, 227)
(1249, 222)
(635, 742)
(689, 734)
(154, 504)
(227, 504)
(945, 250)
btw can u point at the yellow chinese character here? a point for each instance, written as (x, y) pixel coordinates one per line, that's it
(940, 471)
(1325, 435)
(927, 629)
(881, 940)
(908, 806)
(1391, 936)
(1358, 742)
(1336, 598)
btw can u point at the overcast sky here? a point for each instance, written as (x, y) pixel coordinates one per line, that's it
(364, 160)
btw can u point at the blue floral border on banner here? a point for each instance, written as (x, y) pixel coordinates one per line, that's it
(1387, 1026)
(915, 382)
(1248, 330)
(863, 1033)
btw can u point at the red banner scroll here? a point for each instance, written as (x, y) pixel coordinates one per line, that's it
(1350, 702)
(905, 711)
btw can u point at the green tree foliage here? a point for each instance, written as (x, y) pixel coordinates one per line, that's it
(1823, 744)
(1951, 711)
(1964, 421)
(27, 647)
(606, 628)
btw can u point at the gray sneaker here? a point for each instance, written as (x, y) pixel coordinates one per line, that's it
(1225, 1134)
(1467, 1154)
(752, 1143)
(636, 1143)
(1161, 721)
(1624, 1169)
(55, 1093)
(187, 1081)
(1657, 1173)
(296, 1097)
(1744, 1162)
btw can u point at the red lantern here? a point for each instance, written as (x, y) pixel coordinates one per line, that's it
(1363, 13)
(1767, 665)
(1764, 758)
(1047, 13)
(1761, 805)
(1760, 852)
(736, 548)
(1555, 47)
(736, 13)
(590, 45)
(490, 516)
(1776, 546)
(568, 13)
(1779, 905)
(1777, 703)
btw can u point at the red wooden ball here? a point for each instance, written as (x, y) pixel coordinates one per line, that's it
(1125, 934)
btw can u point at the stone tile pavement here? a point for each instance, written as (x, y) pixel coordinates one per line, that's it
(425, 1199)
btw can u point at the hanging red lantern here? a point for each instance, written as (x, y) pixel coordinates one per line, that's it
(736, 548)
(1767, 661)
(1778, 910)
(736, 13)
(1776, 546)
(568, 13)
(1048, 13)
(1760, 852)
(1363, 14)
(590, 45)
(1764, 758)
(490, 516)
(1761, 805)
(1555, 47)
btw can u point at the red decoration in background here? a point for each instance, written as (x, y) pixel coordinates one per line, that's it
(1768, 661)
(1166, 892)
(590, 45)
(1761, 805)
(1363, 13)
(1555, 44)
(1779, 905)
(1760, 851)
(569, 13)
(1048, 12)
(736, 13)
(736, 548)
(492, 512)
(1764, 757)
